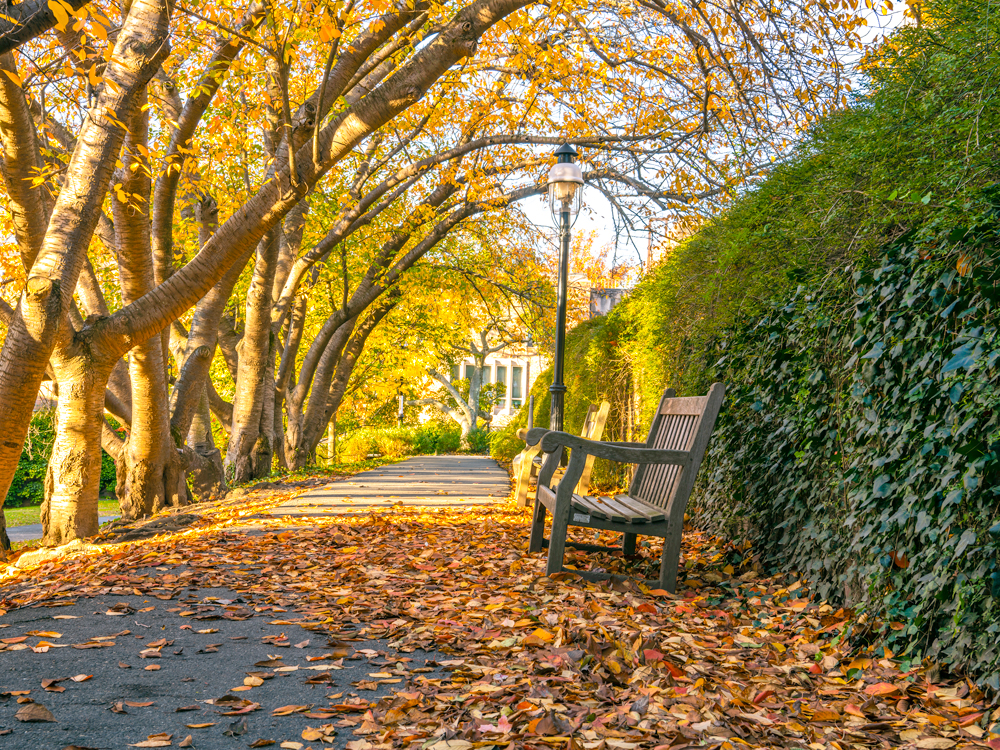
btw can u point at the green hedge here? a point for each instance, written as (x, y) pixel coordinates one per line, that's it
(860, 442)
(395, 442)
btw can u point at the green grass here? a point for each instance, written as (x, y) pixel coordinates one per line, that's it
(29, 514)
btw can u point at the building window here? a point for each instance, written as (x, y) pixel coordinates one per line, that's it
(515, 386)
(469, 369)
(454, 373)
(502, 378)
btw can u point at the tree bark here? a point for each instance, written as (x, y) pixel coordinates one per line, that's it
(72, 483)
(23, 22)
(153, 472)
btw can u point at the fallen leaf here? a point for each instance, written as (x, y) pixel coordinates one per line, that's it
(881, 688)
(288, 710)
(34, 712)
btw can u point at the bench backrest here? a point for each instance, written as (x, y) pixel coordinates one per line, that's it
(680, 424)
(593, 429)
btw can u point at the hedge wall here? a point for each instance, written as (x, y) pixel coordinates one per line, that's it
(860, 443)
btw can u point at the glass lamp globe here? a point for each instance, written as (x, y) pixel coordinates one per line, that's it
(565, 186)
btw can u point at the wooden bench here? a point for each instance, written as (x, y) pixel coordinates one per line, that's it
(528, 462)
(666, 466)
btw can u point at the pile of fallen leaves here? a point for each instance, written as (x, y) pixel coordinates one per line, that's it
(731, 661)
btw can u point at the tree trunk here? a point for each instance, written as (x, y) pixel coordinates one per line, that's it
(153, 476)
(208, 480)
(244, 458)
(72, 482)
(297, 444)
(322, 409)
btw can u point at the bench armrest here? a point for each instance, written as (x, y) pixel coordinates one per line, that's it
(524, 434)
(625, 453)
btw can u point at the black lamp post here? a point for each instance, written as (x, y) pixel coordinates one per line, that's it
(565, 200)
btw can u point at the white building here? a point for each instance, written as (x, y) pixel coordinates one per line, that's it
(516, 367)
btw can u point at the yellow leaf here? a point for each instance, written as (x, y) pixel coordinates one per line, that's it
(95, 79)
(62, 17)
(14, 77)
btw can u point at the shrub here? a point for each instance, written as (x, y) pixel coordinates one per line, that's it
(395, 442)
(357, 446)
(505, 444)
(479, 440)
(436, 437)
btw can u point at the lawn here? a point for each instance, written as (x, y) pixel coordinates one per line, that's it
(28, 515)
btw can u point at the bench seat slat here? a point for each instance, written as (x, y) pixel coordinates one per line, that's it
(619, 512)
(652, 514)
(628, 510)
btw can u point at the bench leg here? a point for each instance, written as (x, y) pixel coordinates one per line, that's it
(557, 541)
(628, 545)
(537, 528)
(670, 559)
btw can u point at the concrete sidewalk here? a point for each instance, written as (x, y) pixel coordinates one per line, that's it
(426, 481)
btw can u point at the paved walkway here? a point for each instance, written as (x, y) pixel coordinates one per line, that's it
(427, 481)
(34, 530)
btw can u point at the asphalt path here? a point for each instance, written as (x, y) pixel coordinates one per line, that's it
(207, 654)
(425, 481)
(32, 531)
(152, 667)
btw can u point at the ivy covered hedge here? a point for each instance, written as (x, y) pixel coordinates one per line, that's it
(860, 443)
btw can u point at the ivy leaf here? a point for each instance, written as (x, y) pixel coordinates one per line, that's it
(968, 537)
(962, 358)
(875, 352)
(883, 486)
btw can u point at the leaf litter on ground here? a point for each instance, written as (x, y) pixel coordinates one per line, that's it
(734, 660)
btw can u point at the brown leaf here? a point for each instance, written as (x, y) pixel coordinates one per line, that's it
(261, 743)
(138, 704)
(186, 742)
(269, 663)
(34, 712)
(288, 710)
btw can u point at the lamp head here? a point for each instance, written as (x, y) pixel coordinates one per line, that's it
(565, 185)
